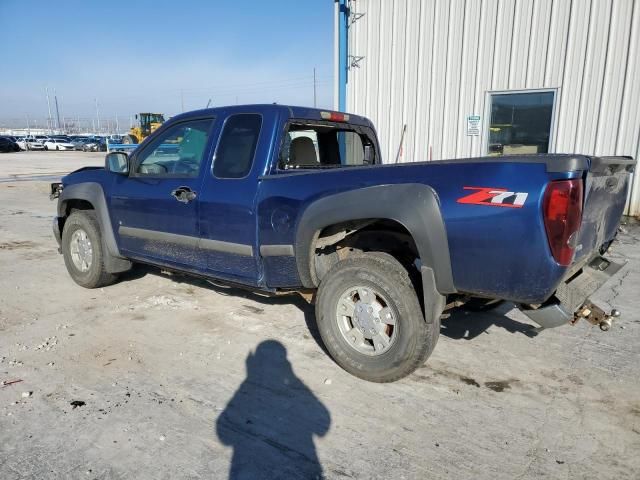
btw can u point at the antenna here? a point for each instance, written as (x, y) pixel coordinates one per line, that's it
(314, 87)
(399, 154)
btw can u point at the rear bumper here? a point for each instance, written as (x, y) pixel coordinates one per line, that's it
(572, 294)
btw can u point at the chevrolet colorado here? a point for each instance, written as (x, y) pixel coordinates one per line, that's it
(291, 199)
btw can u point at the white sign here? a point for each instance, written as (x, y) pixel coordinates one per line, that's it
(473, 125)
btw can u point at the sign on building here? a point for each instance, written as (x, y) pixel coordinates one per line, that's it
(473, 125)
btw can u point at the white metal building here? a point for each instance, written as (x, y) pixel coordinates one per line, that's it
(466, 78)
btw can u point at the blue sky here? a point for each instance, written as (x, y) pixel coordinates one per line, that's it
(144, 55)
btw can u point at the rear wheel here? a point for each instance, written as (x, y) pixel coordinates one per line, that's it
(83, 252)
(370, 318)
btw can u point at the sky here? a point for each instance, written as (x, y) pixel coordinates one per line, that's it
(144, 55)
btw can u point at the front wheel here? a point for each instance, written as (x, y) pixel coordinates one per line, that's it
(83, 252)
(370, 318)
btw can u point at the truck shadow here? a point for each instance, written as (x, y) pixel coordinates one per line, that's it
(462, 324)
(307, 309)
(466, 324)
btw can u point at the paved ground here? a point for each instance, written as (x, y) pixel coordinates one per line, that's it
(165, 377)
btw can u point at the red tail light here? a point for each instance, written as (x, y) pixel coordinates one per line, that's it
(562, 210)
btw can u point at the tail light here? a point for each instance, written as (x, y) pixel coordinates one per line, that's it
(562, 210)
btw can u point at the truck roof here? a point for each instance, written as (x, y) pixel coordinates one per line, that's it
(290, 111)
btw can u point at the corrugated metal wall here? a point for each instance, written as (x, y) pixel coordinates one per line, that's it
(430, 63)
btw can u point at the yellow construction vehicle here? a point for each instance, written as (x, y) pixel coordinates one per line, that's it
(148, 123)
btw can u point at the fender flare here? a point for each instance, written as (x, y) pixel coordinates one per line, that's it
(413, 205)
(93, 193)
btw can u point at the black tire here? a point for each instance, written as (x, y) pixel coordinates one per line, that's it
(416, 338)
(57, 148)
(46, 148)
(96, 276)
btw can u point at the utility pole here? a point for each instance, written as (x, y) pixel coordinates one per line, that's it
(55, 97)
(314, 87)
(97, 112)
(64, 122)
(49, 122)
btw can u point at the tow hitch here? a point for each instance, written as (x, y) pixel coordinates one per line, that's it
(595, 316)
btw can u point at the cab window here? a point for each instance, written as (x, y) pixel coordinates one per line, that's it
(177, 152)
(325, 146)
(237, 146)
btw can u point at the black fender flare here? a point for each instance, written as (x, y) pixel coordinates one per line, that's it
(93, 193)
(413, 205)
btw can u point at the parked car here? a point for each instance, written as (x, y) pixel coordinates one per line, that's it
(295, 200)
(80, 142)
(58, 144)
(96, 145)
(8, 145)
(30, 144)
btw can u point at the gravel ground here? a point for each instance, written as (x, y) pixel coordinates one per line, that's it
(163, 376)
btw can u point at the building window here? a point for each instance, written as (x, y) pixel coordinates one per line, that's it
(520, 122)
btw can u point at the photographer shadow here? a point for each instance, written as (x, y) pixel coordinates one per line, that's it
(271, 420)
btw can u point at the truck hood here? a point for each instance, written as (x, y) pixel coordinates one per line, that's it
(83, 174)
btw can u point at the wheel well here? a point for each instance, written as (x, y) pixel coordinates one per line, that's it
(336, 242)
(77, 204)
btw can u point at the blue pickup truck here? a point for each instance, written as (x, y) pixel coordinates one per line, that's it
(291, 199)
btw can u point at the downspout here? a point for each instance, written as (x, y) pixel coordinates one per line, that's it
(342, 64)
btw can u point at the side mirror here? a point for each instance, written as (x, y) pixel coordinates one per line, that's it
(368, 154)
(117, 162)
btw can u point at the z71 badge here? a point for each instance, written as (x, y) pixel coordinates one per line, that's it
(494, 197)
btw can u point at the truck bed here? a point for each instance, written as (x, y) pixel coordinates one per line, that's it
(495, 251)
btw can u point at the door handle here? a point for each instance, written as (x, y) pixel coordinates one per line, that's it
(183, 194)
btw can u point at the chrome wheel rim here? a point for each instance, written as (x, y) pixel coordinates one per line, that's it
(81, 250)
(366, 321)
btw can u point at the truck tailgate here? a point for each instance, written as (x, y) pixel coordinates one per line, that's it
(605, 194)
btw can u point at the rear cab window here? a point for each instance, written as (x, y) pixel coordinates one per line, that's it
(237, 146)
(325, 145)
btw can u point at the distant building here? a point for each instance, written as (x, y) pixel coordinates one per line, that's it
(472, 78)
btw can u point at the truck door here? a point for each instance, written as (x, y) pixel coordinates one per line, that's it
(227, 204)
(155, 209)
